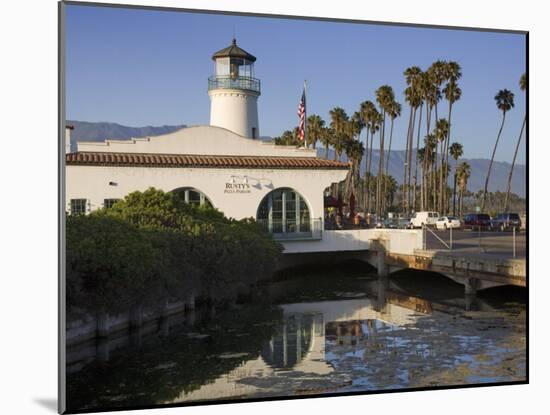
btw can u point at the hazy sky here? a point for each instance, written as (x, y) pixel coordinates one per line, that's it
(143, 67)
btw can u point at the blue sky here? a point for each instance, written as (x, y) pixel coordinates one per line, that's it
(142, 67)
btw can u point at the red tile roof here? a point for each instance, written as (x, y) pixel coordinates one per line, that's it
(189, 160)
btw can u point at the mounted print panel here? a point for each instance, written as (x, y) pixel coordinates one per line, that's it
(258, 207)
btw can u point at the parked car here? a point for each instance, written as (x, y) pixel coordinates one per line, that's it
(506, 222)
(448, 222)
(404, 223)
(419, 219)
(477, 221)
(391, 223)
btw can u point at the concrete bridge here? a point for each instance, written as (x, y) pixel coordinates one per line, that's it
(391, 250)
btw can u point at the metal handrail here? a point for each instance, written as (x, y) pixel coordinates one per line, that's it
(290, 229)
(229, 82)
(437, 236)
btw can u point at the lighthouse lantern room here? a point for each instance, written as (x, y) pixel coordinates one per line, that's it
(234, 92)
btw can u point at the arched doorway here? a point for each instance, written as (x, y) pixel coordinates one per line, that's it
(284, 211)
(193, 196)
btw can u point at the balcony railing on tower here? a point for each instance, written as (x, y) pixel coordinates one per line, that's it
(229, 82)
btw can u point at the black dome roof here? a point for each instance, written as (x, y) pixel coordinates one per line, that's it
(233, 51)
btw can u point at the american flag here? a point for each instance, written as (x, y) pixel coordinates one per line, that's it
(302, 116)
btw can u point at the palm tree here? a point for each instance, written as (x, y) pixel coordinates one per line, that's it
(413, 99)
(315, 124)
(412, 75)
(523, 87)
(413, 96)
(430, 148)
(339, 144)
(441, 133)
(435, 76)
(288, 138)
(394, 111)
(416, 159)
(374, 127)
(408, 98)
(326, 137)
(338, 120)
(384, 97)
(427, 86)
(354, 151)
(452, 93)
(505, 102)
(352, 129)
(438, 72)
(391, 186)
(369, 113)
(463, 174)
(456, 150)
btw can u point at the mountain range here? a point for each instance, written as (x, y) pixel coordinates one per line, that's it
(478, 167)
(100, 131)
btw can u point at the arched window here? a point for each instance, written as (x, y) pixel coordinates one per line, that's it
(193, 196)
(285, 211)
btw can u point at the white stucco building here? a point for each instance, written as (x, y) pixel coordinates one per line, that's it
(222, 164)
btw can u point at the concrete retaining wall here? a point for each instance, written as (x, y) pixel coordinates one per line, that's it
(88, 327)
(399, 241)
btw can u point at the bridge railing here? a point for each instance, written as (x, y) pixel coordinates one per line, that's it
(480, 241)
(290, 229)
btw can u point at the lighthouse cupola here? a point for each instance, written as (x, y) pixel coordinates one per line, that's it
(234, 91)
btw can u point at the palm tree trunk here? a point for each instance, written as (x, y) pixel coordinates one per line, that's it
(461, 197)
(389, 148)
(380, 164)
(326, 151)
(443, 180)
(513, 164)
(454, 194)
(447, 155)
(405, 165)
(365, 193)
(387, 165)
(424, 175)
(409, 162)
(416, 157)
(369, 168)
(381, 168)
(491, 163)
(425, 170)
(454, 188)
(435, 197)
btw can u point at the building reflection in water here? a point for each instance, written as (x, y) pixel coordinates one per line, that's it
(309, 329)
(346, 333)
(294, 339)
(301, 346)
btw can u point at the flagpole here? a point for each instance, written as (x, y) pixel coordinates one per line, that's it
(305, 113)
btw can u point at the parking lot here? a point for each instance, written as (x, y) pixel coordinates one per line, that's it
(485, 242)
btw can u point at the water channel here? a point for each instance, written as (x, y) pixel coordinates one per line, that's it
(320, 331)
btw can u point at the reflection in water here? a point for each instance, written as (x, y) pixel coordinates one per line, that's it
(292, 341)
(337, 334)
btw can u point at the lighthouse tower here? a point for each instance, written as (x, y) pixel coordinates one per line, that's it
(234, 92)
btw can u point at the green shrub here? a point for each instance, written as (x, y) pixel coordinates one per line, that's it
(151, 246)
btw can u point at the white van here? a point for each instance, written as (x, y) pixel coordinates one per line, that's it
(420, 219)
